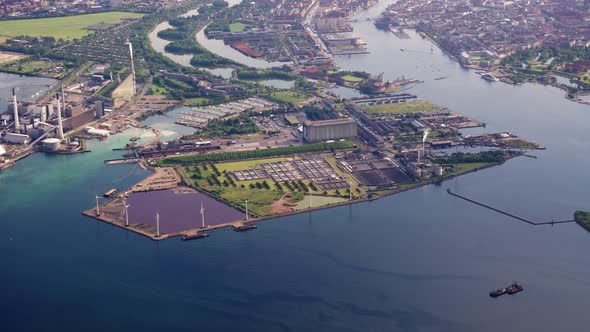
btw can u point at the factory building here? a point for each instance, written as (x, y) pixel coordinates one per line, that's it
(318, 131)
(17, 138)
(98, 109)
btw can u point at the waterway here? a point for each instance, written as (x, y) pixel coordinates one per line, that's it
(418, 261)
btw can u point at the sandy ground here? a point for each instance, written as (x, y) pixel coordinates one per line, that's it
(6, 57)
(281, 206)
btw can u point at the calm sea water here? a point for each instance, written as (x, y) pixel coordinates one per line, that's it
(418, 261)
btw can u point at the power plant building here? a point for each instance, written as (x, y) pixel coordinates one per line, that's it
(318, 131)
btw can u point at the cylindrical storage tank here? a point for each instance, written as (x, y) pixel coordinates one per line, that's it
(418, 172)
(51, 144)
(437, 170)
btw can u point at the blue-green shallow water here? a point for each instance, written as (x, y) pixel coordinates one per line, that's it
(418, 261)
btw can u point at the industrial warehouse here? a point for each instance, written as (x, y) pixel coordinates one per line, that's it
(317, 131)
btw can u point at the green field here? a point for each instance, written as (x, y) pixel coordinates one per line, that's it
(67, 28)
(318, 201)
(155, 89)
(352, 78)
(234, 27)
(199, 101)
(416, 106)
(288, 96)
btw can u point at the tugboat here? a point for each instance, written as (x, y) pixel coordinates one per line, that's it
(514, 288)
(498, 292)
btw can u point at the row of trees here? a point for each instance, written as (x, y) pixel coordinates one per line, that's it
(253, 154)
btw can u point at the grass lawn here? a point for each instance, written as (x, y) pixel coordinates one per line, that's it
(288, 96)
(415, 106)
(68, 28)
(234, 27)
(155, 89)
(318, 201)
(465, 167)
(259, 200)
(200, 101)
(352, 78)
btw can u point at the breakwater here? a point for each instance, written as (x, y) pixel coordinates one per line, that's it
(530, 222)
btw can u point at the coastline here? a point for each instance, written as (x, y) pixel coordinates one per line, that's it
(149, 231)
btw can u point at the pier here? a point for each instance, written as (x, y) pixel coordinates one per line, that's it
(530, 222)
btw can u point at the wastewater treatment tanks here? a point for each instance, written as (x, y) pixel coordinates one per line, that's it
(51, 144)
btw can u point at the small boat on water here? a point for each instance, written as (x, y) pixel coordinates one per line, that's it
(498, 292)
(489, 77)
(512, 289)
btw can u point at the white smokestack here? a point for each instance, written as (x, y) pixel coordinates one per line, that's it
(60, 128)
(16, 122)
(132, 65)
(425, 135)
(63, 98)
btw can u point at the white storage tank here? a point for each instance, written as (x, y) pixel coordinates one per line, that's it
(51, 144)
(437, 170)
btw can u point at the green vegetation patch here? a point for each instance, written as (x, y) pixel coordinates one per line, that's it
(352, 78)
(258, 199)
(252, 154)
(67, 28)
(200, 101)
(234, 27)
(415, 106)
(319, 201)
(582, 217)
(288, 96)
(496, 156)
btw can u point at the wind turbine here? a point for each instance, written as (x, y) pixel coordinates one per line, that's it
(126, 213)
(97, 208)
(246, 209)
(157, 224)
(202, 215)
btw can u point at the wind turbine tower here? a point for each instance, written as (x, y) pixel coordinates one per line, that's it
(202, 216)
(16, 121)
(60, 127)
(247, 210)
(97, 207)
(132, 65)
(157, 224)
(126, 213)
